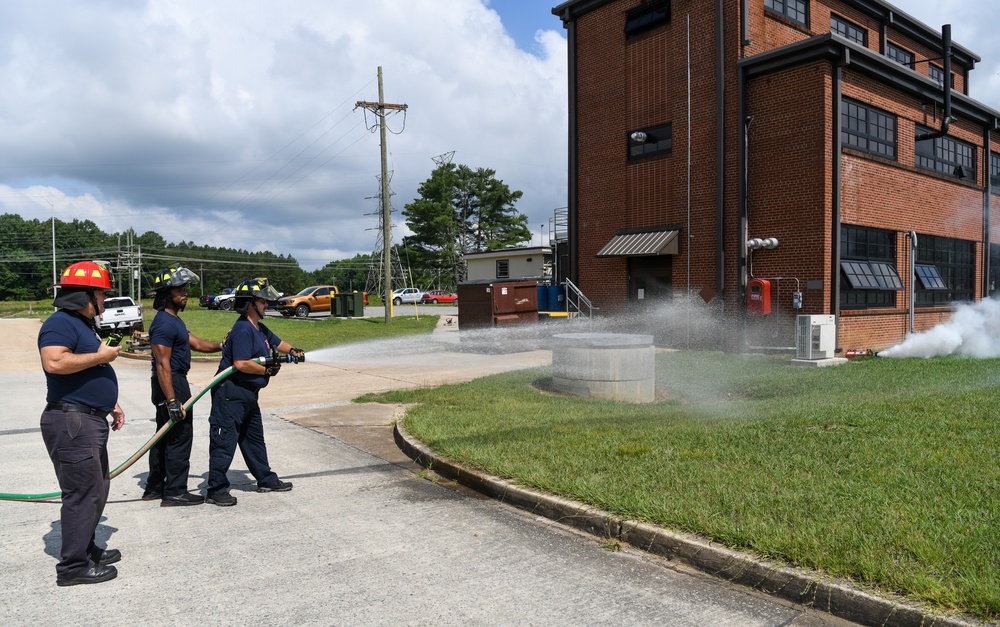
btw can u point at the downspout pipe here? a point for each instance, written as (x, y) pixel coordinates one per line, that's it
(837, 174)
(741, 202)
(720, 154)
(912, 236)
(987, 279)
(744, 26)
(945, 86)
(572, 226)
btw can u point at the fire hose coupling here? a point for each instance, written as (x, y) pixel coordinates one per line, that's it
(294, 356)
(762, 242)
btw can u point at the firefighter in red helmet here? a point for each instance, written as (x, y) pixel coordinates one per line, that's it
(82, 391)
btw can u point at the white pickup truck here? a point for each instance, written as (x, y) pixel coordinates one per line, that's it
(120, 314)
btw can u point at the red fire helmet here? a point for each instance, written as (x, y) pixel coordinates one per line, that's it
(86, 274)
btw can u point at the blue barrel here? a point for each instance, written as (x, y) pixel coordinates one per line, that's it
(543, 297)
(557, 298)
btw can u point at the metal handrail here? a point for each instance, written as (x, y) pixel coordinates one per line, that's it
(581, 300)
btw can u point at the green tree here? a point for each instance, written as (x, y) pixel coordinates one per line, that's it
(459, 211)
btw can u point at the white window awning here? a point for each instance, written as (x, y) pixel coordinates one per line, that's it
(642, 244)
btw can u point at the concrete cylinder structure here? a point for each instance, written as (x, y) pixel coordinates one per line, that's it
(608, 366)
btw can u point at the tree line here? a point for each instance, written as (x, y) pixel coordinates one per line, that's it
(26, 258)
(460, 210)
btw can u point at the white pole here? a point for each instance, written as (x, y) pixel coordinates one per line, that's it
(55, 290)
(54, 270)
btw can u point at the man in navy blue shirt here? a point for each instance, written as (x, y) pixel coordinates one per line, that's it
(82, 390)
(170, 457)
(236, 418)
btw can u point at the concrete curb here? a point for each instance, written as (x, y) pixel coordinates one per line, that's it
(836, 597)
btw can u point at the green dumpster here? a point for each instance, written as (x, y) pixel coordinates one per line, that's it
(354, 304)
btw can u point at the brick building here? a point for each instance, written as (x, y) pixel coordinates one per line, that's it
(699, 129)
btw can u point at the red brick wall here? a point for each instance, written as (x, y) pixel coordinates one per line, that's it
(624, 86)
(790, 174)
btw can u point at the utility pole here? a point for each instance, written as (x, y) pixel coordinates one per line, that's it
(380, 108)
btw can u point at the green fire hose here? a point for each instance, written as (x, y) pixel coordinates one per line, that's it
(219, 378)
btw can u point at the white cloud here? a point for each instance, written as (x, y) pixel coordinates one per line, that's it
(232, 123)
(973, 26)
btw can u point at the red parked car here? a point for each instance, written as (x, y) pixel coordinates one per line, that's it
(438, 296)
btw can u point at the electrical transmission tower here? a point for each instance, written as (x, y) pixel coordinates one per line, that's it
(441, 160)
(376, 272)
(380, 108)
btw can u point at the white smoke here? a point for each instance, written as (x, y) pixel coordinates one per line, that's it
(973, 330)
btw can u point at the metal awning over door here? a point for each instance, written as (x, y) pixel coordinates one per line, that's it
(642, 244)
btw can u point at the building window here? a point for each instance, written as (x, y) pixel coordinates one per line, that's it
(645, 17)
(868, 264)
(954, 261)
(503, 268)
(795, 10)
(937, 75)
(947, 155)
(994, 283)
(929, 277)
(867, 129)
(650, 141)
(848, 30)
(995, 171)
(899, 55)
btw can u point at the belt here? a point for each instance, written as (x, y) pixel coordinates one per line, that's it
(73, 407)
(245, 386)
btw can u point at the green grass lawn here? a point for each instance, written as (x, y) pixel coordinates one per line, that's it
(881, 471)
(310, 334)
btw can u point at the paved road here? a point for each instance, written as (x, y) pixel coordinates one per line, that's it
(361, 540)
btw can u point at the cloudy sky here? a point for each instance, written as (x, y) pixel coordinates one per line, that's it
(233, 122)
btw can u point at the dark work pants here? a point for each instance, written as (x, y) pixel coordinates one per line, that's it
(170, 458)
(78, 447)
(235, 420)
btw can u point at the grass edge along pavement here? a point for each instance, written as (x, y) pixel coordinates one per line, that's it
(797, 585)
(880, 473)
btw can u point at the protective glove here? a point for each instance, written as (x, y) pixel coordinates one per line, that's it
(271, 366)
(298, 354)
(175, 411)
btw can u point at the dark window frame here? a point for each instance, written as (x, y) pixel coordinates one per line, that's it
(868, 129)
(795, 10)
(929, 276)
(659, 141)
(994, 266)
(955, 260)
(945, 155)
(995, 171)
(647, 17)
(503, 268)
(868, 265)
(848, 29)
(936, 74)
(900, 55)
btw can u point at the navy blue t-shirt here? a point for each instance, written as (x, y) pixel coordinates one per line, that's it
(96, 386)
(246, 342)
(170, 331)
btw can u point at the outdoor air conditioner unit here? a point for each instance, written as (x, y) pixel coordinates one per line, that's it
(815, 337)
